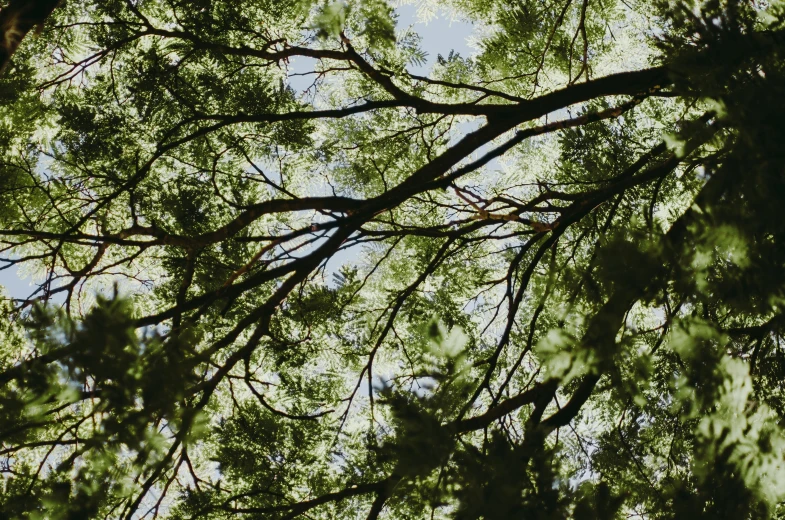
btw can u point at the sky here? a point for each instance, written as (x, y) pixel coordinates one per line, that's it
(439, 35)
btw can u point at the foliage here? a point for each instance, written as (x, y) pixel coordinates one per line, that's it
(279, 274)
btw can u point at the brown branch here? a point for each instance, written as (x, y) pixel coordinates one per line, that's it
(16, 20)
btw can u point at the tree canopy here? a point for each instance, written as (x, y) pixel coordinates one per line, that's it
(280, 274)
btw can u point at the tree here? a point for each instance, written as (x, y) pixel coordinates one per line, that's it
(16, 20)
(545, 281)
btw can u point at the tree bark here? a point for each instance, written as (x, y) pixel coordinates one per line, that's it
(16, 20)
